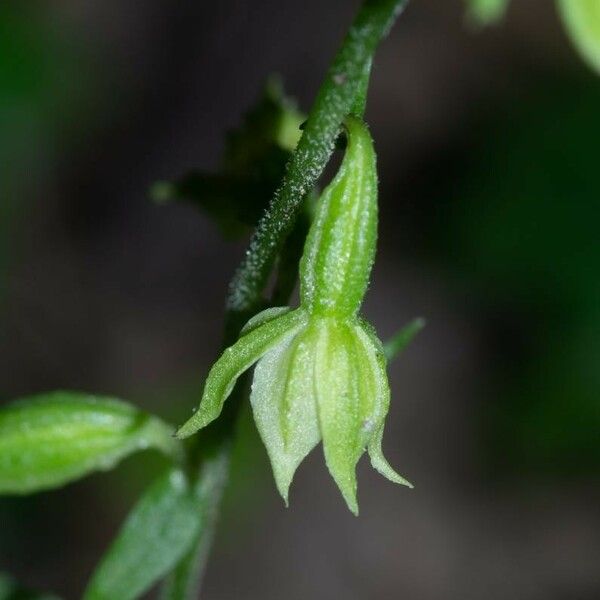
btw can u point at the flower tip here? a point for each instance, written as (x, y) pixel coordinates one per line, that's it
(283, 487)
(187, 429)
(182, 433)
(351, 502)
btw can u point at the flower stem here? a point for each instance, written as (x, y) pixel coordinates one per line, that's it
(344, 91)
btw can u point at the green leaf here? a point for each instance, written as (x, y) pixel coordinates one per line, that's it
(486, 12)
(582, 21)
(273, 122)
(51, 439)
(184, 581)
(157, 533)
(10, 590)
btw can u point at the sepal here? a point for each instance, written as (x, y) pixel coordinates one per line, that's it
(284, 406)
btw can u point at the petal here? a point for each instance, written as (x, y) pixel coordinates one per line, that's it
(284, 406)
(338, 405)
(234, 361)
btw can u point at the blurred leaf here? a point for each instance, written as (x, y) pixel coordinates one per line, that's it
(47, 92)
(274, 121)
(158, 532)
(51, 439)
(402, 338)
(254, 162)
(10, 590)
(582, 21)
(486, 12)
(184, 581)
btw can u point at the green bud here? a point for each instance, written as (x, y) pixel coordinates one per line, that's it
(340, 247)
(321, 372)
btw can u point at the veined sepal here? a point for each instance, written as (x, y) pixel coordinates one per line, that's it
(284, 405)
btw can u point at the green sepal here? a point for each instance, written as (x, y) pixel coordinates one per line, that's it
(380, 463)
(234, 361)
(49, 440)
(338, 405)
(264, 317)
(582, 21)
(284, 406)
(376, 359)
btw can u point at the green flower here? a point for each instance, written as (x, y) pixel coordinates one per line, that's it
(321, 372)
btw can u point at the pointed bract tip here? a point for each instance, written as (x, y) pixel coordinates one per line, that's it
(380, 463)
(350, 499)
(283, 487)
(187, 429)
(353, 506)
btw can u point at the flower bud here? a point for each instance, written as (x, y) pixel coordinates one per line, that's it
(340, 247)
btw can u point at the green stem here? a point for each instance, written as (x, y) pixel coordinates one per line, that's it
(289, 261)
(360, 100)
(334, 101)
(344, 91)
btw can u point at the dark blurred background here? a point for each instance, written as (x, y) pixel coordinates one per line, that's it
(488, 153)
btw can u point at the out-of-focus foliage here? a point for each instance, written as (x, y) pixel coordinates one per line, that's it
(10, 590)
(524, 233)
(51, 439)
(486, 12)
(253, 165)
(43, 86)
(582, 21)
